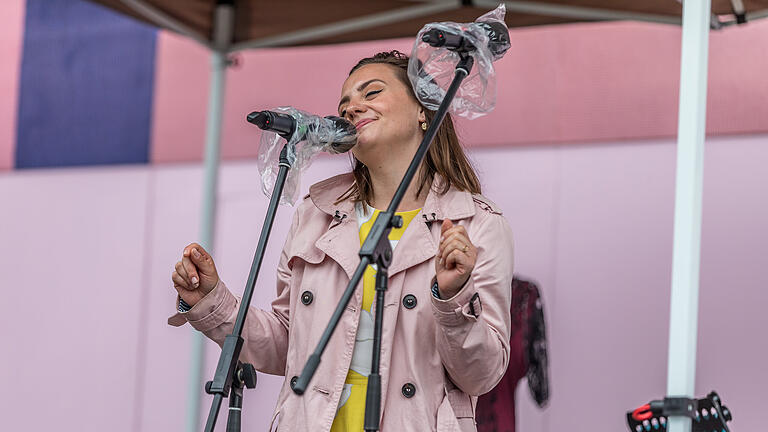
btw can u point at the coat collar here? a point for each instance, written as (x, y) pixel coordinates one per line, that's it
(454, 204)
(341, 241)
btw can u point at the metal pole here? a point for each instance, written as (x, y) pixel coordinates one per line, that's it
(223, 27)
(683, 322)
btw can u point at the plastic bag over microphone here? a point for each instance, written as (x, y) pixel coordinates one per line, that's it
(431, 69)
(313, 134)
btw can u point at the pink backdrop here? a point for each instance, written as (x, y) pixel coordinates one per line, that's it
(11, 40)
(88, 255)
(559, 84)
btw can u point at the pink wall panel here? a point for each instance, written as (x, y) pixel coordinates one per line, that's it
(89, 253)
(732, 320)
(613, 263)
(602, 251)
(564, 84)
(738, 86)
(174, 200)
(11, 41)
(72, 261)
(182, 71)
(609, 81)
(526, 184)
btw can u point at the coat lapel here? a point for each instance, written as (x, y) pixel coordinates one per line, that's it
(420, 240)
(415, 246)
(341, 241)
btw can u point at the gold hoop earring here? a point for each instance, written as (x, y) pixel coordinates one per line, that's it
(423, 125)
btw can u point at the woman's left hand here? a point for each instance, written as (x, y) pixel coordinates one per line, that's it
(455, 259)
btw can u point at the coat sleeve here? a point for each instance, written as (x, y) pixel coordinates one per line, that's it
(265, 332)
(473, 326)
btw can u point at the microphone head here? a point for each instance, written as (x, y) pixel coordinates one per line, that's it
(433, 37)
(345, 135)
(498, 37)
(259, 118)
(280, 123)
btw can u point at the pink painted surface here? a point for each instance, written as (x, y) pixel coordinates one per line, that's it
(732, 321)
(164, 365)
(89, 254)
(614, 81)
(558, 84)
(11, 42)
(180, 99)
(74, 243)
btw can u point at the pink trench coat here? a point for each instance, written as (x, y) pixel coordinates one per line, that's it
(437, 356)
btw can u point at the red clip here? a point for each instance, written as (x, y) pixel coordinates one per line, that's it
(642, 413)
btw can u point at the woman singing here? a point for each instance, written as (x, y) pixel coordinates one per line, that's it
(446, 317)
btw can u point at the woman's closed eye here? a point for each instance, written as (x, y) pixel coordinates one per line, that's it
(370, 95)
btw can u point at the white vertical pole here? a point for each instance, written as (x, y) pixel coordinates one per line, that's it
(683, 323)
(223, 27)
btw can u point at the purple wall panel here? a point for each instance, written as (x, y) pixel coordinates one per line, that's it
(85, 93)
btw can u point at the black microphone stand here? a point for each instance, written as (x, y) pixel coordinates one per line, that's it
(376, 249)
(232, 375)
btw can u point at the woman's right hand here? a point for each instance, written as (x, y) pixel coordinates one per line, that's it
(195, 275)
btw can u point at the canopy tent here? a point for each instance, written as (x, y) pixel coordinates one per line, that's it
(225, 26)
(304, 22)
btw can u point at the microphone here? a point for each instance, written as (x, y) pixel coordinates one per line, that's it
(303, 136)
(333, 134)
(497, 33)
(436, 52)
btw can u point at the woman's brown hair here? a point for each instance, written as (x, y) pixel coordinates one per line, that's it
(445, 156)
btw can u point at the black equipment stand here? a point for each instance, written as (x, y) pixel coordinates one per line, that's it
(707, 414)
(232, 375)
(376, 249)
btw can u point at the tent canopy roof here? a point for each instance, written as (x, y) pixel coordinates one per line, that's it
(261, 23)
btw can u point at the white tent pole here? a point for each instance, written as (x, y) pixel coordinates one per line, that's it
(223, 28)
(683, 319)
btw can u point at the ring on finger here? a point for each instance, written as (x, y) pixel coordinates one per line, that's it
(465, 248)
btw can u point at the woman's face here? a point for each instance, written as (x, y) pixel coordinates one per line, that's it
(384, 111)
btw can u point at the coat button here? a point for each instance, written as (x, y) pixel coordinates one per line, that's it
(409, 390)
(293, 382)
(307, 297)
(409, 301)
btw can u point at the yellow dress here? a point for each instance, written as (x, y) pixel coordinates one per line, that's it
(351, 412)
